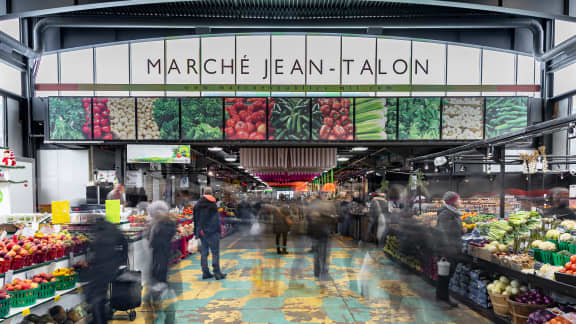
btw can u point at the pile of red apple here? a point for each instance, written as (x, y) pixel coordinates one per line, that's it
(44, 278)
(19, 285)
(4, 294)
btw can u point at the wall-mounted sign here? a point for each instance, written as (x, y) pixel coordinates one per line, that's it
(261, 64)
(158, 153)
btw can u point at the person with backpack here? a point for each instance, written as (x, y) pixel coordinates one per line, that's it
(357, 209)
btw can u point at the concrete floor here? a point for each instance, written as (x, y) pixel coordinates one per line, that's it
(263, 287)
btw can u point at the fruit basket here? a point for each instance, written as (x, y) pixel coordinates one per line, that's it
(40, 257)
(52, 254)
(60, 252)
(4, 265)
(520, 312)
(66, 282)
(21, 298)
(4, 306)
(500, 304)
(46, 290)
(28, 260)
(17, 263)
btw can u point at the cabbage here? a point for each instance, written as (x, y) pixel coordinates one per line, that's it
(504, 280)
(523, 289)
(536, 244)
(565, 237)
(515, 283)
(514, 291)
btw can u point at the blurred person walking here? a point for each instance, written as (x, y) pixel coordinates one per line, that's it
(450, 242)
(560, 209)
(109, 252)
(207, 228)
(118, 193)
(379, 216)
(357, 209)
(344, 216)
(321, 215)
(162, 230)
(281, 223)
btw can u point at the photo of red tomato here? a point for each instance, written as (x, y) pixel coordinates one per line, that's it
(332, 119)
(245, 119)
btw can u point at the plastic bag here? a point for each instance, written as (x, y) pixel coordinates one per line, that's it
(256, 229)
(193, 245)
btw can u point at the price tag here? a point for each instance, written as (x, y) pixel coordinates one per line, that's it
(79, 289)
(3, 235)
(57, 298)
(8, 276)
(56, 228)
(537, 266)
(26, 312)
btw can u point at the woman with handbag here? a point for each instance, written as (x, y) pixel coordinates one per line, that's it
(281, 223)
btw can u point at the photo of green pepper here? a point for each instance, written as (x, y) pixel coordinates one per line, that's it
(505, 114)
(289, 119)
(419, 118)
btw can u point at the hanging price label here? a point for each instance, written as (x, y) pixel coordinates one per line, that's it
(26, 312)
(57, 298)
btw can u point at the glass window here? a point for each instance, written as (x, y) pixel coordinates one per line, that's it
(463, 68)
(218, 55)
(47, 74)
(10, 79)
(525, 73)
(428, 66)
(77, 67)
(289, 52)
(537, 76)
(257, 48)
(112, 66)
(2, 123)
(323, 62)
(14, 123)
(565, 80)
(11, 27)
(393, 64)
(147, 66)
(498, 68)
(563, 30)
(183, 64)
(358, 66)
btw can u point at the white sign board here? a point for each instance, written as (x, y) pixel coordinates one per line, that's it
(158, 153)
(134, 179)
(572, 191)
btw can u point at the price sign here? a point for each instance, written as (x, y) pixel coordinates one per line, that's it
(60, 212)
(26, 312)
(57, 298)
(113, 211)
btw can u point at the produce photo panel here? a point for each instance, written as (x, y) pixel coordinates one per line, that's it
(505, 114)
(70, 118)
(201, 118)
(289, 119)
(419, 118)
(376, 118)
(114, 118)
(245, 119)
(332, 119)
(158, 118)
(463, 118)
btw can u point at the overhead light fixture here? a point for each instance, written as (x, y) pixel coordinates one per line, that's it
(359, 149)
(343, 159)
(215, 149)
(210, 173)
(240, 167)
(462, 168)
(230, 158)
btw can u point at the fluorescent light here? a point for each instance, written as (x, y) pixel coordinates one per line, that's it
(359, 149)
(230, 159)
(343, 159)
(215, 149)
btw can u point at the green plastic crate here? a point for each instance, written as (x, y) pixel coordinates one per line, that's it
(537, 254)
(46, 290)
(547, 257)
(66, 282)
(23, 298)
(572, 248)
(560, 260)
(563, 246)
(4, 307)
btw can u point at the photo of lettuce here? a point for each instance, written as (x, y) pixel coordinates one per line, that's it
(419, 118)
(202, 119)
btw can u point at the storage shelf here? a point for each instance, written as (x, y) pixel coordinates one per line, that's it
(15, 311)
(486, 312)
(36, 266)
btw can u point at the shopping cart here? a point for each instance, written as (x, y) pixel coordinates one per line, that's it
(126, 293)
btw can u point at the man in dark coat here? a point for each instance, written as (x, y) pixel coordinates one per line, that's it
(321, 215)
(109, 251)
(559, 199)
(281, 223)
(207, 228)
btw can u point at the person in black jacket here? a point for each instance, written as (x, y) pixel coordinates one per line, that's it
(207, 228)
(281, 223)
(450, 239)
(109, 251)
(321, 214)
(559, 199)
(162, 230)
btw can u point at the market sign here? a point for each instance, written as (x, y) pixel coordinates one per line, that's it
(158, 153)
(313, 63)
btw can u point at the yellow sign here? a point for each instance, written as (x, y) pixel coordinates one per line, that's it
(26, 312)
(60, 212)
(113, 211)
(57, 298)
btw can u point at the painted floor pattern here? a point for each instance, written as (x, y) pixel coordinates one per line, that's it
(263, 287)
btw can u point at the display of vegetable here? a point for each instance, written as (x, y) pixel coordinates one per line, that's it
(376, 118)
(506, 287)
(289, 119)
(553, 234)
(566, 237)
(569, 224)
(158, 118)
(419, 118)
(245, 119)
(494, 247)
(546, 246)
(332, 119)
(463, 118)
(547, 271)
(116, 118)
(201, 118)
(505, 114)
(533, 297)
(70, 118)
(570, 267)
